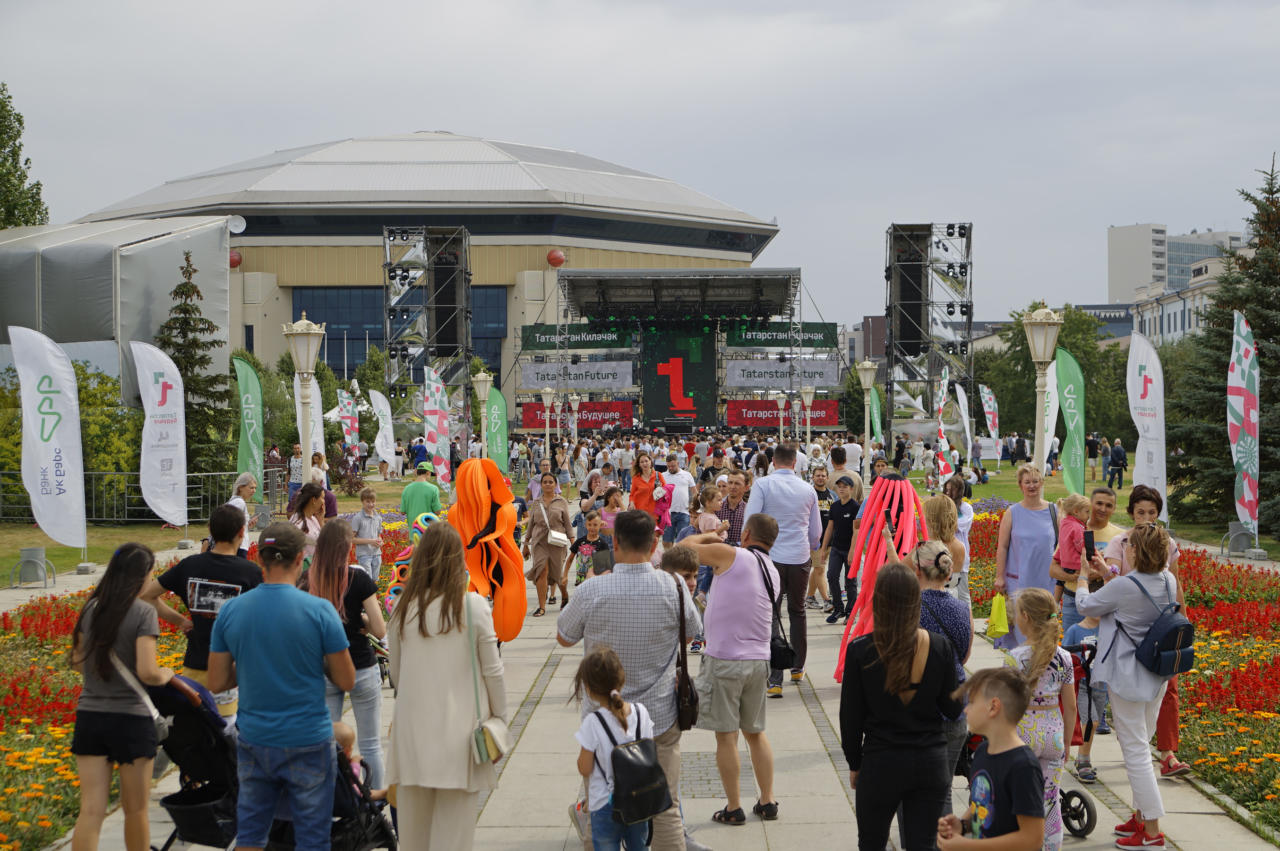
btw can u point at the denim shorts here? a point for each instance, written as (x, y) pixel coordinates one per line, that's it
(302, 779)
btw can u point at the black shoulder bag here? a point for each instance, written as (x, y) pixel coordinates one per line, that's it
(781, 654)
(686, 694)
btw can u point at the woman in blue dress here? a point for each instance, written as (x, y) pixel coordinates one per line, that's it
(1025, 549)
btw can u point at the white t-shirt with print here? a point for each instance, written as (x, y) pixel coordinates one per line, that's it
(680, 483)
(592, 737)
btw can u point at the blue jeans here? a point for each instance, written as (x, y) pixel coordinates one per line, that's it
(679, 522)
(302, 777)
(835, 569)
(294, 487)
(366, 703)
(372, 565)
(609, 835)
(1115, 477)
(1070, 614)
(705, 574)
(624, 480)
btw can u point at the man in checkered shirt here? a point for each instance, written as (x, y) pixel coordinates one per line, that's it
(634, 610)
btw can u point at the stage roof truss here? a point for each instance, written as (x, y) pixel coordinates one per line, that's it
(601, 294)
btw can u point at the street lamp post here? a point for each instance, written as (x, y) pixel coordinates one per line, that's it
(867, 378)
(548, 397)
(1042, 327)
(795, 420)
(560, 407)
(483, 382)
(574, 401)
(304, 338)
(781, 399)
(806, 394)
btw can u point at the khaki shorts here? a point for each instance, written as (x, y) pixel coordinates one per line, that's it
(731, 694)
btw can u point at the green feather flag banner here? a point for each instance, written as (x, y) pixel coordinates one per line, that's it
(251, 436)
(1071, 403)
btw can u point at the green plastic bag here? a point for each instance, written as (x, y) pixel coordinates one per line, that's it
(998, 622)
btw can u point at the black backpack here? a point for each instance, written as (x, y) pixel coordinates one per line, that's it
(640, 789)
(1168, 648)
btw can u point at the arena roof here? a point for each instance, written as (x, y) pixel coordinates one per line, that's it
(430, 172)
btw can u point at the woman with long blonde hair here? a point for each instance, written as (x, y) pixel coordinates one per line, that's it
(443, 649)
(1049, 673)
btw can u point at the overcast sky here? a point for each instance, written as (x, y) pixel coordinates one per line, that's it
(1040, 123)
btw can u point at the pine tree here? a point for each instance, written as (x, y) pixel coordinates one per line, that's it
(188, 338)
(20, 201)
(1202, 480)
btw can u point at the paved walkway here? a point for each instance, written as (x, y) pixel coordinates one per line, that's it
(539, 779)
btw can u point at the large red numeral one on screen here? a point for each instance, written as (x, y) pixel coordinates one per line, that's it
(673, 369)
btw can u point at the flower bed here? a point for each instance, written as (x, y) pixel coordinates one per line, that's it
(1230, 702)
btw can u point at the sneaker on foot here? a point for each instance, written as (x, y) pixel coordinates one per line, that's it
(695, 646)
(1129, 828)
(1103, 730)
(775, 691)
(797, 677)
(835, 616)
(1141, 839)
(1171, 766)
(810, 602)
(828, 608)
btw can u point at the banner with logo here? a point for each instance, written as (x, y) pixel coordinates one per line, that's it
(349, 417)
(435, 424)
(317, 417)
(941, 445)
(385, 441)
(963, 399)
(1050, 423)
(771, 375)
(591, 415)
(162, 469)
(991, 410)
(52, 457)
(877, 430)
(1071, 396)
(1144, 381)
(250, 457)
(543, 338)
(763, 414)
(1243, 382)
(495, 426)
(678, 379)
(588, 375)
(813, 335)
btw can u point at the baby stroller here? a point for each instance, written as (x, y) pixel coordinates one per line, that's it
(359, 823)
(1078, 814)
(204, 809)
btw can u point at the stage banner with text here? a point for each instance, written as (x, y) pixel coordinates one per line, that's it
(591, 415)
(542, 338)
(162, 465)
(588, 375)
(763, 414)
(1145, 383)
(678, 379)
(771, 375)
(813, 335)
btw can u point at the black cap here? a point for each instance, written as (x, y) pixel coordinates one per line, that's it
(845, 480)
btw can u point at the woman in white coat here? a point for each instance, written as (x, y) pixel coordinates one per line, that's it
(436, 670)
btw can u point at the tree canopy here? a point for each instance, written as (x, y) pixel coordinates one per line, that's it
(20, 198)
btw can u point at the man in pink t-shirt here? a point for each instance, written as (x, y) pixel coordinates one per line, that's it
(732, 682)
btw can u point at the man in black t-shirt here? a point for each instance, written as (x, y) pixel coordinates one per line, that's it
(1091, 452)
(837, 540)
(818, 577)
(204, 582)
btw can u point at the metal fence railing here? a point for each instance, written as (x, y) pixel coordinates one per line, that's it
(117, 497)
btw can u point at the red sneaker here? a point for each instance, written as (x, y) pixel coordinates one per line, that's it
(1171, 766)
(1129, 828)
(1141, 839)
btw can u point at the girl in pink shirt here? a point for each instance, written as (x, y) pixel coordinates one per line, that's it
(1074, 510)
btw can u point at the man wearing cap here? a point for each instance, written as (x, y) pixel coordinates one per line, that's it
(717, 468)
(421, 495)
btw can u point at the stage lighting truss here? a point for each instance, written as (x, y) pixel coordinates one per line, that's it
(936, 331)
(426, 310)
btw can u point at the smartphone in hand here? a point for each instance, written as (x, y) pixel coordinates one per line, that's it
(888, 522)
(1088, 545)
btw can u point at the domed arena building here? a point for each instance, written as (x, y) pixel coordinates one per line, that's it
(314, 220)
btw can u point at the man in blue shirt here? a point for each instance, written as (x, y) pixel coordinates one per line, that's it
(278, 643)
(793, 502)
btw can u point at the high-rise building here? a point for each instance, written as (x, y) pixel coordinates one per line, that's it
(1144, 256)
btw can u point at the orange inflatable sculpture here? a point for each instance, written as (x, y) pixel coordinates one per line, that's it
(485, 517)
(894, 494)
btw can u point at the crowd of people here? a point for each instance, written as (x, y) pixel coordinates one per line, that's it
(652, 548)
